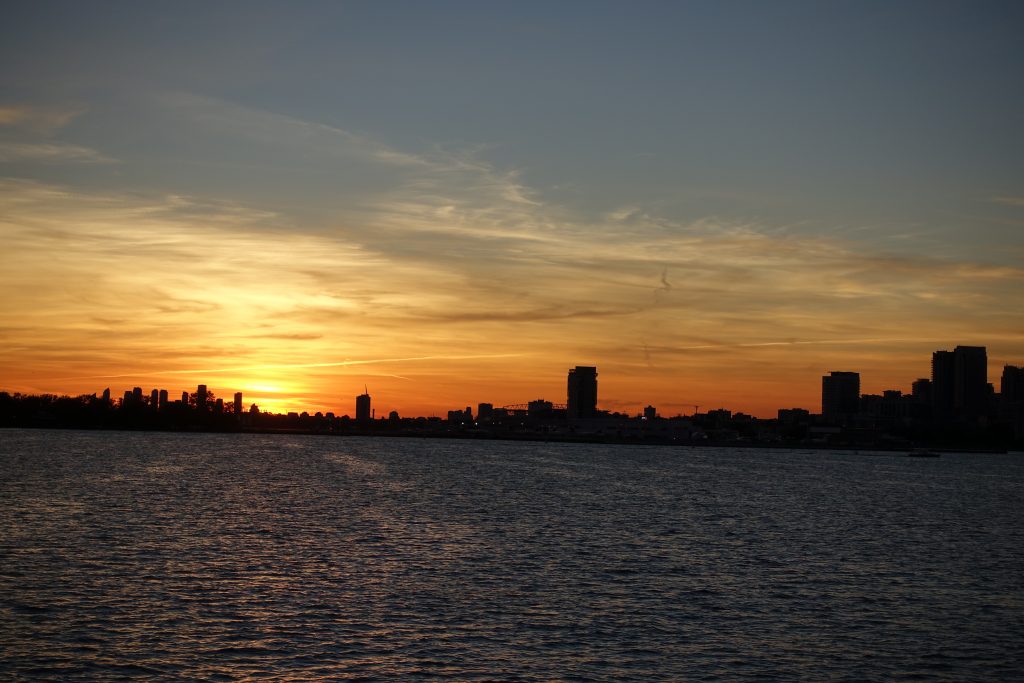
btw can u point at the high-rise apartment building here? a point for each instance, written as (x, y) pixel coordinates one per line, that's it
(960, 383)
(970, 382)
(363, 407)
(582, 392)
(1011, 385)
(840, 394)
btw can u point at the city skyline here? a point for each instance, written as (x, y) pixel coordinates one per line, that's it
(956, 388)
(715, 204)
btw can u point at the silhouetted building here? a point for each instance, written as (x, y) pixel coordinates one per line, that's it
(1011, 399)
(363, 407)
(921, 390)
(921, 399)
(201, 396)
(650, 413)
(943, 373)
(484, 412)
(582, 392)
(840, 394)
(106, 395)
(154, 398)
(163, 398)
(137, 396)
(184, 398)
(237, 407)
(970, 383)
(1011, 385)
(891, 406)
(539, 408)
(218, 407)
(791, 416)
(960, 383)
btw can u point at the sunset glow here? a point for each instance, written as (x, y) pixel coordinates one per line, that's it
(217, 214)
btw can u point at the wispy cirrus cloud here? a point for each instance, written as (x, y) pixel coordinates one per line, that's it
(28, 130)
(38, 118)
(447, 256)
(50, 152)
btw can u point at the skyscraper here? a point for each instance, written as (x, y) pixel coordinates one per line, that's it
(960, 383)
(582, 392)
(840, 394)
(970, 382)
(1011, 384)
(943, 364)
(363, 406)
(238, 403)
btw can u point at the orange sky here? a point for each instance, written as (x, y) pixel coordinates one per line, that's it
(449, 206)
(117, 290)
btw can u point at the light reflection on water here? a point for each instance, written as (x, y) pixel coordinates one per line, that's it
(224, 557)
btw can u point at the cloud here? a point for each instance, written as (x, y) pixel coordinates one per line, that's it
(1009, 201)
(39, 119)
(449, 257)
(50, 152)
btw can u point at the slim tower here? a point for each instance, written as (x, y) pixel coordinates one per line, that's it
(582, 392)
(363, 406)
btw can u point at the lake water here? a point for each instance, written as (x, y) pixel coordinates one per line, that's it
(227, 557)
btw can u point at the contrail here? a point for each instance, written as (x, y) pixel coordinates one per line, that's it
(291, 366)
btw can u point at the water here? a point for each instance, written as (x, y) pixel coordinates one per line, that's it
(228, 557)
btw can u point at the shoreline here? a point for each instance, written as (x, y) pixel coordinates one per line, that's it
(866, 449)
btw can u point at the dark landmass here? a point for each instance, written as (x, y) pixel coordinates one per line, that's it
(792, 429)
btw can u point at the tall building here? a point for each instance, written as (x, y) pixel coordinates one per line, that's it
(960, 383)
(970, 382)
(363, 406)
(238, 403)
(1011, 399)
(582, 392)
(163, 399)
(201, 396)
(943, 364)
(840, 394)
(1011, 385)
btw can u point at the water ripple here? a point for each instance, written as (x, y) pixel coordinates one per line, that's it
(131, 556)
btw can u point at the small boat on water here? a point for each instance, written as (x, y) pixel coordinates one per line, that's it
(923, 453)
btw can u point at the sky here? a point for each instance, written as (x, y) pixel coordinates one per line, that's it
(715, 203)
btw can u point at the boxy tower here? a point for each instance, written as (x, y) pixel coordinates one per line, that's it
(582, 392)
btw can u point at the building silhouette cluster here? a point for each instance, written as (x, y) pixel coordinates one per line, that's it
(955, 407)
